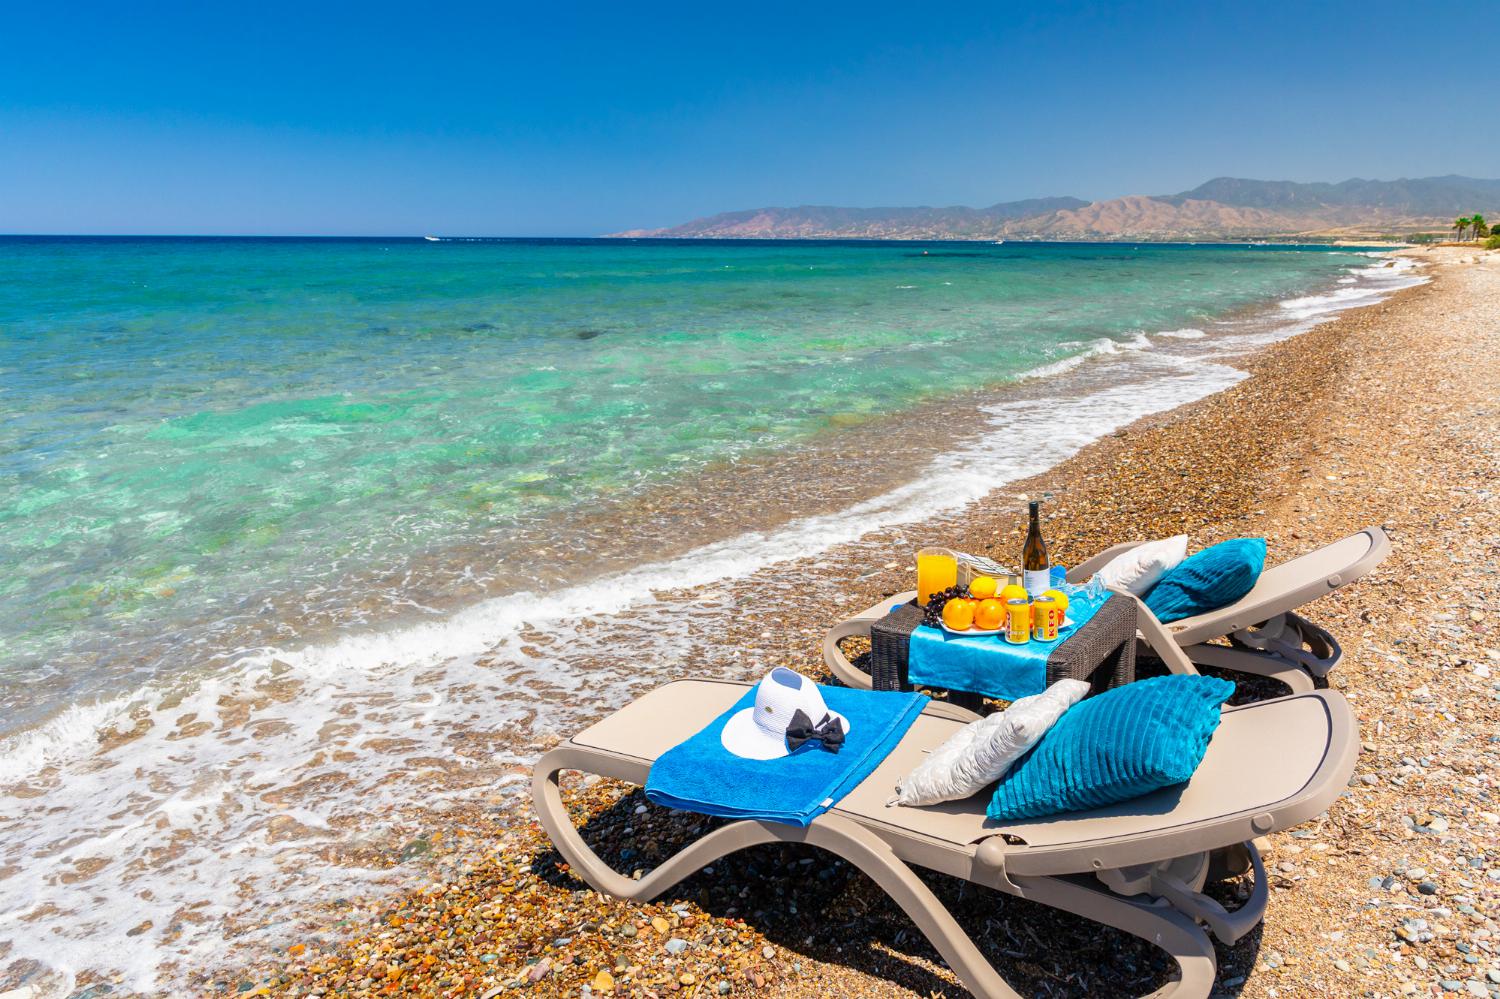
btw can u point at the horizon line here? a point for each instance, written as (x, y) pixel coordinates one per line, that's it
(661, 239)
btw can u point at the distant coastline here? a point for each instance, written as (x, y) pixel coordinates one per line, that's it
(1225, 209)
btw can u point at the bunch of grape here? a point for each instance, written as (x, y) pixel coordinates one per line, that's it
(932, 614)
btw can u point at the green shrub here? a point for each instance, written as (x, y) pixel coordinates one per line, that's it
(1493, 243)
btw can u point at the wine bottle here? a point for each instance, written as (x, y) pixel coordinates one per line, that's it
(1036, 570)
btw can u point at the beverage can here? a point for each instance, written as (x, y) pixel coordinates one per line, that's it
(1044, 615)
(1017, 621)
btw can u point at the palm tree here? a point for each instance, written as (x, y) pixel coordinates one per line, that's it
(1461, 224)
(1480, 227)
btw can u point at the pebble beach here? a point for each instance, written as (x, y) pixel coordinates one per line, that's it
(1388, 415)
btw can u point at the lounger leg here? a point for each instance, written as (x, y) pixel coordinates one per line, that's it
(547, 797)
(879, 862)
(1154, 638)
(1158, 924)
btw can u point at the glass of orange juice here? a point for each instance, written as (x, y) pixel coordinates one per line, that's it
(937, 569)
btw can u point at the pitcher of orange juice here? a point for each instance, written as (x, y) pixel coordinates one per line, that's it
(937, 569)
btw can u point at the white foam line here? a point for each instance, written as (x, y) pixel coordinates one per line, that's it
(1095, 348)
(1374, 284)
(78, 726)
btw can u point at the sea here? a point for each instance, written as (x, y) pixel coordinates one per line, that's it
(302, 538)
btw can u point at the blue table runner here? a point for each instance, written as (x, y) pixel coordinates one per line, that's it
(988, 664)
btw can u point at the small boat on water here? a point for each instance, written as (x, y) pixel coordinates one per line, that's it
(432, 239)
(999, 242)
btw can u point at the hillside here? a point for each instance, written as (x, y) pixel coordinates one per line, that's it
(822, 221)
(1430, 196)
(1222, 208)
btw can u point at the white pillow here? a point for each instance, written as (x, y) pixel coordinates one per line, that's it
(979, 753)
(1137, 570)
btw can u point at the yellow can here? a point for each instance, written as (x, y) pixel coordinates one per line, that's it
(1044, 619)
(1017, 621)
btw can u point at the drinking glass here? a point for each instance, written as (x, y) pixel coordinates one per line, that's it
(937, 569)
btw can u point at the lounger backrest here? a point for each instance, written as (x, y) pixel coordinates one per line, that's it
(1287, 586)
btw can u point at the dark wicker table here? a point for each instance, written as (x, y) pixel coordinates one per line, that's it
(1101, 651)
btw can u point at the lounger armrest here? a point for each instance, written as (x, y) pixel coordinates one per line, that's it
(833, 656)
(1288, 586)
(1156, 636)
(952, 712)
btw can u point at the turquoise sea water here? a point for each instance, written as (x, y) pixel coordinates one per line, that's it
(194, 425)
(305, 542)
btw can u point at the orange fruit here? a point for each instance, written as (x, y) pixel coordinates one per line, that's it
(988, 614)
(983, 587)
(958, 614)
(1060, 597)
(1014, 591)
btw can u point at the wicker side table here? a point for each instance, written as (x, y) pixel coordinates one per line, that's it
(1102, 651)
(890, 647)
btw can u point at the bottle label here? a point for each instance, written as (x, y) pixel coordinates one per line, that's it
(1037, 581)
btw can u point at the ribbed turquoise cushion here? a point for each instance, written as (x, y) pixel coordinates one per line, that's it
(1124, 743)
(1208, 580)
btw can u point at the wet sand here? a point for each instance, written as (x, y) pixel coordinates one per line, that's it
(1387, 415)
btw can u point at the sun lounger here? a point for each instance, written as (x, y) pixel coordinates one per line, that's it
(1266, 635)
(1139, 865)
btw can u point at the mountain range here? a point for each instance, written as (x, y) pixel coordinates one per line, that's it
(1222, 208)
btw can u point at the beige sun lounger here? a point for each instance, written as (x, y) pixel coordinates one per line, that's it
(1138, 865)
(1267, 637)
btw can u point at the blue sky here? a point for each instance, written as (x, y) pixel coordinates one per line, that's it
(580, 119)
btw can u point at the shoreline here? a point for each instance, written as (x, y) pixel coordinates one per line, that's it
(755, 493)
(762, 631)
(878, 454)
(1263, 422)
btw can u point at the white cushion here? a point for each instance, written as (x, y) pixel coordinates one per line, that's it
(1137, 570)
(978, 754)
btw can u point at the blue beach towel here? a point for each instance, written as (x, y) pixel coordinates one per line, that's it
(700, 775)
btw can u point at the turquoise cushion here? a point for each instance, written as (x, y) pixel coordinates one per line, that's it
(1124, 743)
(1209, 580)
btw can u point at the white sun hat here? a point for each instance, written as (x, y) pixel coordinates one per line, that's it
(759, 733)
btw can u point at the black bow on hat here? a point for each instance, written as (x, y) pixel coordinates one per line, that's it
(829, 731)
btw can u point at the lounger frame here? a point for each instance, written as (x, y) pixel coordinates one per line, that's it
(1144, 882)
(1183, 645)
